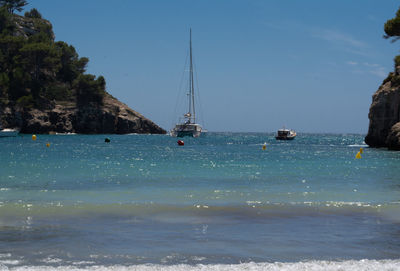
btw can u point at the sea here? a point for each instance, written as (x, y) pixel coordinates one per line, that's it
(220, 202)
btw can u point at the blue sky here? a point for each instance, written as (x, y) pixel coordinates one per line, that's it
(309, 65)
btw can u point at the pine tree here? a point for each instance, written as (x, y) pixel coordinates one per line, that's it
(392, 27)
(13, 5)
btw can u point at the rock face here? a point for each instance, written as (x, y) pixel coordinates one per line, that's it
(384, 114)
(27, 27)
(113, 117)
(393, 139)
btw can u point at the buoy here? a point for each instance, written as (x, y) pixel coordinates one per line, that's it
(47, 144)
(181, 143)
(358, 155)
(33, 137)
(264, 146)
(361, 150)
(107, 140)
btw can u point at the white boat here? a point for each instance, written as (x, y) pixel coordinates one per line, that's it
(285, 134)
(188, 125)
(7, 132)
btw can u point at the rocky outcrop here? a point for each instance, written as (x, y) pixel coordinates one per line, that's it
(73, 112)
(113, 117)
(27, 27)
(384, 114)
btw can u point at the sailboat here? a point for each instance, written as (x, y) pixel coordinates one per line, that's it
(188, 126)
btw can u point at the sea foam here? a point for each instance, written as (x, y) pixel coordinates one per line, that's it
(360, 265)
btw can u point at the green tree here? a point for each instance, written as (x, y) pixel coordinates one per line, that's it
(6, 25)
(71, 65)
(10, 62)
(392, 30)
(45, 33)
(392, 27)
(13, 5)
(41, 60)
(33, 13)
(89, 89)
(19, 83)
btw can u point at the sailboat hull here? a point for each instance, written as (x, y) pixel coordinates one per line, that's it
(188, 129)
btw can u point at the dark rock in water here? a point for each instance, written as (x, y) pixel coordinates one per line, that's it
(384, 114)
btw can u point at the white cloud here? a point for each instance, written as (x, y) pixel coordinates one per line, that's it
(340, 38)
(333, 36)
(376, 69)
(352, 63)
(379, 72)
(371, 65)
(367, 68)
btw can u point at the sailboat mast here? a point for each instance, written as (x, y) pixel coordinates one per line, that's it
(191, 82)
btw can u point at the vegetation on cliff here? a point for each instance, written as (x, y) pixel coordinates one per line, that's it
(392, 31)
(392, 27)
(13, 5)
(34, 69)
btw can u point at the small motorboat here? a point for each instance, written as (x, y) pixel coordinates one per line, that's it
(285, 134)
(7, 132)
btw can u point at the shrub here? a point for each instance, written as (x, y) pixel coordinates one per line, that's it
(33, 13)
(397, 61)
(26, 101)
(396, 80)
(388, 78)
(89, 89)
(57, 92)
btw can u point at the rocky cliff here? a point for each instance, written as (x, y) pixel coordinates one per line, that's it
(113, 117)
(384, 114)
(44, 87)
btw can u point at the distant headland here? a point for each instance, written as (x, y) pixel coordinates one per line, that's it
(44, 87)
(384, 113)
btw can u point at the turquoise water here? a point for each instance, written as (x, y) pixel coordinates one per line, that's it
(219, 201)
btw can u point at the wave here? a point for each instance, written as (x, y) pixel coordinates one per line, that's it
(358, 145)
(248, 210)
(66, 134)
(360, 265)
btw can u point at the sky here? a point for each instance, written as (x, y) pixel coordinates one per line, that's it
(309, 65)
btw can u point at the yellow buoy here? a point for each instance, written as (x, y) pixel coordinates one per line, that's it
(33, 137)
(361, 150)
(358, 155)
(264, 146)
(47, 144)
